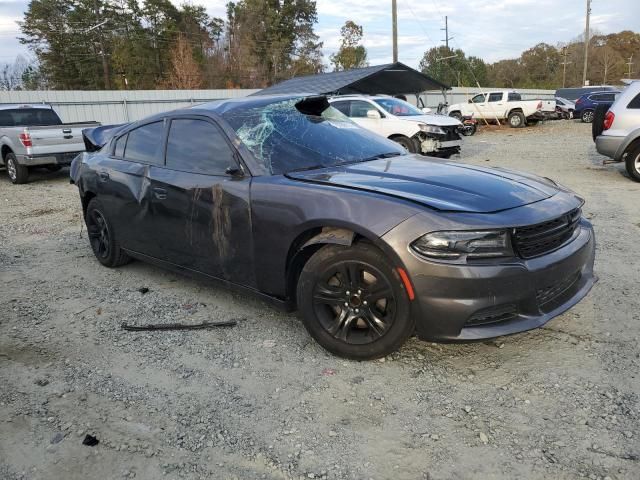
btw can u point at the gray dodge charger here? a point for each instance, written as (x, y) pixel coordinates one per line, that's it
(286, 198)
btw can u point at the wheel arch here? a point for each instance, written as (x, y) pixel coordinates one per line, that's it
(312, 239)
(4, 151)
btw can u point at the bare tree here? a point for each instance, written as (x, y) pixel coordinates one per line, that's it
(185, 73)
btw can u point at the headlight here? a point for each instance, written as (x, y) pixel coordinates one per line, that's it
(431, 129)
(454, 245)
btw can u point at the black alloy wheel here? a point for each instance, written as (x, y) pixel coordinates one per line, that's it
(353, 302)
(98, 234)
(102, 238)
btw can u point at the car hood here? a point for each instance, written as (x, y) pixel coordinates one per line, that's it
(432, 119)
(438, 184)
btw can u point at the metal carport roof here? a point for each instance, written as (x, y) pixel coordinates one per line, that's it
(390, 79)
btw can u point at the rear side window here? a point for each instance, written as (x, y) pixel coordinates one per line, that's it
(635, 103)
(514, 97)
(118, 150)
(495, 97)
(608, 97)
(144, 144)
(198, 146)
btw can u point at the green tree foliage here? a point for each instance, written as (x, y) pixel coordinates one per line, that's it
(352, 53)
(453, 67)
(96, 44)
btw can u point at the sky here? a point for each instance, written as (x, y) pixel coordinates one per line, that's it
(490, 29)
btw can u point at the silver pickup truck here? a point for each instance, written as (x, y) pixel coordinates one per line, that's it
(34, 136)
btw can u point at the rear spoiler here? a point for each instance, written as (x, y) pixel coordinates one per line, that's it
(98, 137)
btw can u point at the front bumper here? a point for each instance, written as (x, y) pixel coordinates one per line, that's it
(47, 159)
(474, 302)
(608, 146)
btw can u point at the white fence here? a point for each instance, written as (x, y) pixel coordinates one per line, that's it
(117, 106)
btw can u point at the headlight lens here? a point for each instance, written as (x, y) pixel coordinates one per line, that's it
(432, 129)
(455, 245)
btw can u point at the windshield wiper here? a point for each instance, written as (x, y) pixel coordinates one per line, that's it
(303, 169)
(380, 155)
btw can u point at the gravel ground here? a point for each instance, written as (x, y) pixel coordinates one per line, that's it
(262, 400)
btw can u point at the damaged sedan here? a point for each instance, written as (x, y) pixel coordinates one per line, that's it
(287, 198)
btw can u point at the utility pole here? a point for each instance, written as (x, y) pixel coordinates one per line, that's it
(394, 20)
(630, 63)
(586, 44)
(446, 32)
(564, 65)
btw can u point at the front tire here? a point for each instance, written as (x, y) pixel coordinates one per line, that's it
(406, 142)
(17, 173)
(632, 163)
(516, 120)
(102, 238)
(353, 302)
(587, 116)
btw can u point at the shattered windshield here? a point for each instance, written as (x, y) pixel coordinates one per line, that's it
(286, 140)
(398, 107)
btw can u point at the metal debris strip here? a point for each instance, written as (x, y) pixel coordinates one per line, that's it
(177, 326)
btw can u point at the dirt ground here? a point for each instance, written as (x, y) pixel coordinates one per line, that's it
(262, 400)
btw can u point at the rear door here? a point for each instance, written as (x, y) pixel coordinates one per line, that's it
(199, 204)
(123, 184)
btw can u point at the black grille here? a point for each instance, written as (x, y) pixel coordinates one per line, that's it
(535, 240)
(495, 314)
(547, 295)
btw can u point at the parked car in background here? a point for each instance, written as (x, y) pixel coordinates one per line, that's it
(565, 107)
(585, 106)
(34, 136)
(572, 94)
(286, 197)
(398, 120)
(620, 137)
(504, 105)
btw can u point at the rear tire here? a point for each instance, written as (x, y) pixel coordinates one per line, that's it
(587, 116)
(17, 173)
(632, 163)
(353, 302)
(517, 120)
(102, 238)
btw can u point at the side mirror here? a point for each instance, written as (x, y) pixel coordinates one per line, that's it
(234, 171)
(469, 101)
(425, 110)
(375, 114)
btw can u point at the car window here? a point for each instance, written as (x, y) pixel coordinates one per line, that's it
(283, 139)
(197, 146)
(478, 98)
(359, 109)
(118, 150)
(514, 97)
(342, 106)
(608, 97)
(596, 98)
(635, 103)
(495, 97)
(398, 107)
(559, 102)
(145, 144)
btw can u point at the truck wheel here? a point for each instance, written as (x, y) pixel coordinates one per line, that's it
(17, 173)
(456, 115)
(406, 142)
(587, 116)
(633, 163)
(353, 302)
(517, 120)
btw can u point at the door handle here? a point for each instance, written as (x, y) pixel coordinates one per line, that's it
(159, 193)
(104, 175)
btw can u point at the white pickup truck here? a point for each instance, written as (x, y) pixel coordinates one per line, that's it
(34, 136)
(504, 105)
